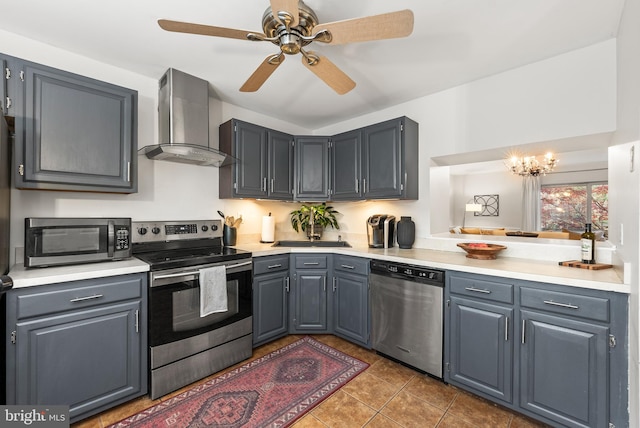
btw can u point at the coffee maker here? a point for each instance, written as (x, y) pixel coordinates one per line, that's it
(380, 228)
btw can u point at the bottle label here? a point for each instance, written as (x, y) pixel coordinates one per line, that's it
(587, 250)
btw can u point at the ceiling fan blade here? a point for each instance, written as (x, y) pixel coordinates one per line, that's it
(328, 72)
(262, 73)
(205, 30)
(377, 27)
(289, 6)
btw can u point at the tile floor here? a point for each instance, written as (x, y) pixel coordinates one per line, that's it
(386, 395)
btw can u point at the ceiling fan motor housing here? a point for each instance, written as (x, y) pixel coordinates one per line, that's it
(290, 40)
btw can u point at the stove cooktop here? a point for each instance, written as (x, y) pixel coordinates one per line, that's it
(175, 244)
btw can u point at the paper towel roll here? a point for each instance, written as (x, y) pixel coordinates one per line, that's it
(268, 229)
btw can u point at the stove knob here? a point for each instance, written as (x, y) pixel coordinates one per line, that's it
(205, 228)
(142, 231)
(155, 230)
(214, 227)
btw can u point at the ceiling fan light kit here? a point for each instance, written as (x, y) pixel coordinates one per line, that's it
(293, 26)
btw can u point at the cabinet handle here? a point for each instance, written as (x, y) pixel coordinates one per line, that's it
(274, 266)
(347, 266)
(524, 323)
(311, 263)
(286, 284)
(264, 184)
(334, 284)
(82, 299)
(137, 321)
(364, 185)
(324, 284)
(477, 290)
(562, 305)
(272, 185)
(357, 186)
(506, 329)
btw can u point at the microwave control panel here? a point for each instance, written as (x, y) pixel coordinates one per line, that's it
(123, 241)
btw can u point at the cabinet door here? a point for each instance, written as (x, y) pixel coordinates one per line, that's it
(3, 86)
(270, 306)
(481, 347)
(351, 307)
(345, 161)
(382, 160)
(312, 168)
(280, 165)
(84, 359)
(251, 168)
(310, 301)
(78, 133)
(564, 370)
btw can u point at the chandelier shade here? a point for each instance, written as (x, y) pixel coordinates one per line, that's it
(529, 165)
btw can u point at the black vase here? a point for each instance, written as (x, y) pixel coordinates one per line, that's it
(406, 232)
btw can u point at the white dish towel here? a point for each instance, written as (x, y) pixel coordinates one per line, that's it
(213, 290)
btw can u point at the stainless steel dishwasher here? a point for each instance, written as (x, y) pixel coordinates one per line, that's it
(407, 314)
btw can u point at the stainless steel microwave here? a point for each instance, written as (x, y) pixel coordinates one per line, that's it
(66, 241)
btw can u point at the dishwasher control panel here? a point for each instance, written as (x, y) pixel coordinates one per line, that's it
(407, 271)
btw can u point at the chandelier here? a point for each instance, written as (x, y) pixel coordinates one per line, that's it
(529, 165)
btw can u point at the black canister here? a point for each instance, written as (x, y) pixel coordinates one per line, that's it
(405, 232)
(229, 235)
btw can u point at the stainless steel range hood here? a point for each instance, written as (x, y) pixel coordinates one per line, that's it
(183, 122)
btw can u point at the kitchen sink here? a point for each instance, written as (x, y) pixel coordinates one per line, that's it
(311, 244)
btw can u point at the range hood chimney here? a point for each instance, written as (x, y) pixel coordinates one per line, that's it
(183, 122)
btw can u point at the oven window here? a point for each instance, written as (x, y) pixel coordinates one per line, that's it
(174, 308)
(186, 308)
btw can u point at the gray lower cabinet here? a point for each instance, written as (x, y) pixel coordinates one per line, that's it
(270, 298)
(81, 344)
(351, 315)
(555, 353)
(309, 300)
(71, 132)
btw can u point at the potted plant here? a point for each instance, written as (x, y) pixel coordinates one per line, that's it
(323, 217)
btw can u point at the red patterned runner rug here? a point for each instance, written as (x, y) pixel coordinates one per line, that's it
(272, 391)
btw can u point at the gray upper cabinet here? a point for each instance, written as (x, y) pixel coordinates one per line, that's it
(311, 168)
(375, 162)
(71, 132)
(3, 86)
(280, 182)
(264, 169)
(346, 155)
(390, 160)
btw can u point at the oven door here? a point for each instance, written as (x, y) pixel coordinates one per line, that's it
(174, 302)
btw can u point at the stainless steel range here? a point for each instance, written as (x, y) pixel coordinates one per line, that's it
(186, 344)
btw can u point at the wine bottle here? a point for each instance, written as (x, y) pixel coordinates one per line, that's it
(588, 240)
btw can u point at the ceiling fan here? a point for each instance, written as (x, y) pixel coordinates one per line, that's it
(292, 25)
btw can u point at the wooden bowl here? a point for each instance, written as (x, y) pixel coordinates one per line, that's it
(488, 252)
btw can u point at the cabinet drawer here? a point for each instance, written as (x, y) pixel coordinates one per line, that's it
(482, 289)
(595, 308)
(311, 262)
(47, 299)
(270, 264)
(351, 264)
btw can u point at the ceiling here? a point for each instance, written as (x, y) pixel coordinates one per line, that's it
(453, 42)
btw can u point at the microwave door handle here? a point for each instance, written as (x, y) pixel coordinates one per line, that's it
(110, 238)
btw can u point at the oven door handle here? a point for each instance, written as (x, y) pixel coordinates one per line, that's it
(197, 272)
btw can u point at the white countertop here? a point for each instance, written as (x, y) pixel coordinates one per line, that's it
(509, 267)
(23, 277)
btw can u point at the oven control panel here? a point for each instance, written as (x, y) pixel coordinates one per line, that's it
(159, 231)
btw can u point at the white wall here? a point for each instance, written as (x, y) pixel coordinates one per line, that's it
(623, 212)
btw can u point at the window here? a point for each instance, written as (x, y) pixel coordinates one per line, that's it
(570, 206)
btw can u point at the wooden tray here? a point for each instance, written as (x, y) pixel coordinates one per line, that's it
(579, 264)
